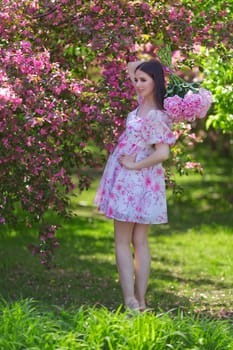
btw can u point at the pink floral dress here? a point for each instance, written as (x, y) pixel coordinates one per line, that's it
(136, 195)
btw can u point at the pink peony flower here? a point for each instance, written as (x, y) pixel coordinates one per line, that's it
(206, 100)
(174, 107)
(192, 106)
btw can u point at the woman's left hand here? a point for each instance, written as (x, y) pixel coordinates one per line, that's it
(128, 161)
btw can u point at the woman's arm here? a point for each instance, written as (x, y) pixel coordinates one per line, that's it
(160, 154)
(131, 69)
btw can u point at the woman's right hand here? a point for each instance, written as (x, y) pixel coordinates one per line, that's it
(128, 161)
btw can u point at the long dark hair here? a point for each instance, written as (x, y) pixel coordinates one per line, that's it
(155, 70)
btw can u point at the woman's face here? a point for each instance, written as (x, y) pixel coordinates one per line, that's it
(144, 84)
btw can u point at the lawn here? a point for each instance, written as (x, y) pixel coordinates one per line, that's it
(191, 270)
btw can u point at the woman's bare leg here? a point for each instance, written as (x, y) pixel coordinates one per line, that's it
(142, 261)
(124, 259)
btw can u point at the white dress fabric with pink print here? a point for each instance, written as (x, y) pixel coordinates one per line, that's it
(136, 195)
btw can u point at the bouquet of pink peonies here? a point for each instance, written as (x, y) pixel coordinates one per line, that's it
(184, 101)
(190, 107)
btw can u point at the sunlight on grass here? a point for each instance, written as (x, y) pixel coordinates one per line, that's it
(195, 267)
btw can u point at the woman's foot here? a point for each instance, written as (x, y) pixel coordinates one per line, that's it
(142, 304)
(132, 304)
(144, 308)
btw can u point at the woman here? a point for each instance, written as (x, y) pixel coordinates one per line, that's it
(132, 188)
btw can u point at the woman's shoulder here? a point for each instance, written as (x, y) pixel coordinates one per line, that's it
(133, 112)
(156, 128)
(158, 114)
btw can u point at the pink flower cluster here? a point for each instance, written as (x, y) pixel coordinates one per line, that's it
(192, 106)
(8, 97)
(47, 246)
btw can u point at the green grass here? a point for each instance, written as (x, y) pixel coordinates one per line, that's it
(190, 286)
(24, 325)
(191, 256)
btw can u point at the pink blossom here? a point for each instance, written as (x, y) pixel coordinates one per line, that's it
(223, 13)
(95, 9)
(174, 107)
(34, 251)
(145, 6)
(194, 165)
(173, 14)
(19, 149)
(206, 100)
(109, 147)
(39, 195)
(2, 220)
(191, 106)
(61, 173)
(50, 235)
(77, 88)
(99, 25)
(26, 46)
(43, 132)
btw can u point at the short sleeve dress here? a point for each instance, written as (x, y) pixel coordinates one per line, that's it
(136, 195)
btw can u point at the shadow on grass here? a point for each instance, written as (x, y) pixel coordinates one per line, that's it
(85, 271)
(207, 203)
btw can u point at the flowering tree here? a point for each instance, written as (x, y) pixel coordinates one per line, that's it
(64, 86)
